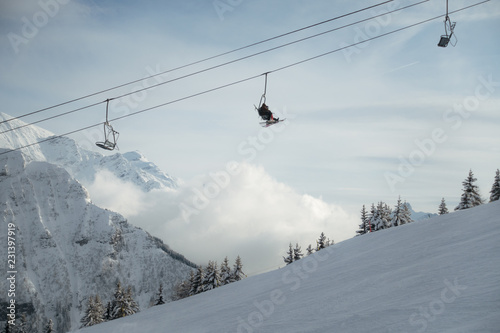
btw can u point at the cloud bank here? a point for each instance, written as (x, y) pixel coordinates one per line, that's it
(238, 211)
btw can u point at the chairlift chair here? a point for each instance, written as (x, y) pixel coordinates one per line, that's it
(446, 38)
(448, 26)
(110, 135)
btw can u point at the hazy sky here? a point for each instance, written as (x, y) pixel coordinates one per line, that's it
(392, 116)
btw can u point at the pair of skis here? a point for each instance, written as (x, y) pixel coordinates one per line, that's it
(270, 122)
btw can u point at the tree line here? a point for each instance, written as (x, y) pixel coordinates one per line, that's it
(122, 305)
(382, 216)
(295, 253)
(208, 278)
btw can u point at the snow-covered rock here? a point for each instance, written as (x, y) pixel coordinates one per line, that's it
(82, 164)
(67, 249)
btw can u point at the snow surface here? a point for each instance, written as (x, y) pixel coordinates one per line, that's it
(82, 164)
(68, 249)
(437, 275)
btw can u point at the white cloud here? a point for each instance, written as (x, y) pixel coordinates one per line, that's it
(247, 213)
(110, 192)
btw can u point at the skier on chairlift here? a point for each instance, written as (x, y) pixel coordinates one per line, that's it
(266, 114)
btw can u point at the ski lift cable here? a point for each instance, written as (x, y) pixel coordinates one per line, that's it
(240, 81)
(214, 67)
(376, 37)
(197, 62)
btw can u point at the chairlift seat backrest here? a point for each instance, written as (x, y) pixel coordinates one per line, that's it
(443, 42)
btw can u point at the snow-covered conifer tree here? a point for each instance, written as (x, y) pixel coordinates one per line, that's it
(495, 188)
(406, 214)
(133, 307)
(289, 258)
(225, 272)
(442, 208)
(197, 281)
(372, 218)
(117, 304)
(297, 252)
(183, 288)
(238, 270)
(159, 296)
(382, 216)
(49, 328)
(470, 196)
(321, 242)
(397, 215)
(364, 226)
(211, 279)
(310, 250)
(123, 303)
(108, 314)
(94, 314)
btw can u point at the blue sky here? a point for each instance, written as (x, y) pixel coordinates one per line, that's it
(393, 116)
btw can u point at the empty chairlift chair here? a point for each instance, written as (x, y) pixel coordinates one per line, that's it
(110, 135)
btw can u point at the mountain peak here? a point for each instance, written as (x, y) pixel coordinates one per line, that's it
(82, 164)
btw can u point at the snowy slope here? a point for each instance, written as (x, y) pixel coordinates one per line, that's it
(437, 275)
(68, 249)
(81, 163)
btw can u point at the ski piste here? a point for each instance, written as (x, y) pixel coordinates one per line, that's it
(270, 122)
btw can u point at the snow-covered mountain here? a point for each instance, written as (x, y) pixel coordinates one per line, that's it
(67, 249)
(81, 163)
(437, 275)
(418, 216)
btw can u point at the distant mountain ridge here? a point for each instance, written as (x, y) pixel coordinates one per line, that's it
(81, 163)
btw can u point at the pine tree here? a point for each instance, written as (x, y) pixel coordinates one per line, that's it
(297, 252)
(118, 304)
(225, 272)
(49, 328)
(159, 296)
(397, 216)
(406, 214)
(289, 258)
(123, 303)
(197, 281)
(495, 188)
(212, 277)
(237, 271)
(310, 250)
(364, 226)
(94, 314)
(442, 208)
(381, 218)
(108, 314)
(320, 243)
(470, 196)
(132, 306)
(372, 218)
